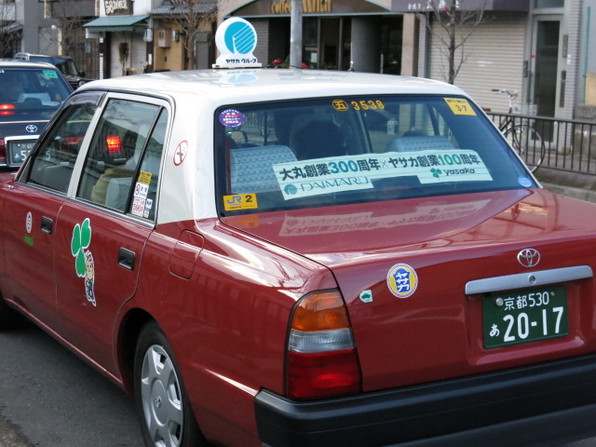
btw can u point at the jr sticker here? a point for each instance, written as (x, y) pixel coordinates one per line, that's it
(240, 202)
(231, 118)
(402, 280)
(84, 264)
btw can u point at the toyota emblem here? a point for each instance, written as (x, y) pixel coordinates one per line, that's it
(528, 257)
(31, 128)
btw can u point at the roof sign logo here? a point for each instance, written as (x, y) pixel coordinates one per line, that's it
(236, 39)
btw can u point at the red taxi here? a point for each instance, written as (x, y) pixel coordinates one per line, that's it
(293, 258)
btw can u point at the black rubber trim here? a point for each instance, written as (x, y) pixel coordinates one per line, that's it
(514, 404)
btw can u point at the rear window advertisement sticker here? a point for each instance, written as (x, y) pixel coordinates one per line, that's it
(84, 263)
(402, 280)
(460, 106)
(306, 178)
(237, 202)
(232, 118)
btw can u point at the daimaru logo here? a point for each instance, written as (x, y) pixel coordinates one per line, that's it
(326, 184)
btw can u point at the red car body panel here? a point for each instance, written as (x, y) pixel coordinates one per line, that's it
(227, 304)
(437, 332)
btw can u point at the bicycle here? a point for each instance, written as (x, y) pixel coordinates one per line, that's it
(521, 135)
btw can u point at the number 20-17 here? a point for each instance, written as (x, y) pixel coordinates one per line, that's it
(523, 324)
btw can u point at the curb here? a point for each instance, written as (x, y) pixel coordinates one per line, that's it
(578, 193)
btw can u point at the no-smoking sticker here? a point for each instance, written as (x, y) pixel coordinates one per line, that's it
(180, 152)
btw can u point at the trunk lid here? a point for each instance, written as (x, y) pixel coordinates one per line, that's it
(433, 329)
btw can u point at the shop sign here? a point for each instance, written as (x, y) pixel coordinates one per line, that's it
(116, 7)
(308, 6)
(468, 5)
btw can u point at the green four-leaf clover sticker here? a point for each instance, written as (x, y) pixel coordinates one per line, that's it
(81, 238)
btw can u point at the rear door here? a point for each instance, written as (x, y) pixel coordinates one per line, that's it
(38, 195)
(102, 233)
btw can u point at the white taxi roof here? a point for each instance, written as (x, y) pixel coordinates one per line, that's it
(266, 84)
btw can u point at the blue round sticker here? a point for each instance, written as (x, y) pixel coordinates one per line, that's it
(231, 118)
(524, 181)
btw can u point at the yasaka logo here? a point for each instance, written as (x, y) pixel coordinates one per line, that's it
(112, 6)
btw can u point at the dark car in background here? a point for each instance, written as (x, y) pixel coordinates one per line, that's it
(65, 64)
(30, 95)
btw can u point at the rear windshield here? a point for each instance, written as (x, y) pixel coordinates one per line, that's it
(31, 93)
(331, 151)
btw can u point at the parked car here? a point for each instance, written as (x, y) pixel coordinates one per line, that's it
(30, 94)
(257, 265)
(65, 64)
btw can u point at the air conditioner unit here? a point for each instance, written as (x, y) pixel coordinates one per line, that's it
(164, 38)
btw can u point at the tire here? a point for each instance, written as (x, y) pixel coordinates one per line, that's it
(161, 400)
(528, 143)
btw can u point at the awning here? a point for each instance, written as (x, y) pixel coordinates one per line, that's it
(115, 23)
(203, 7)
(11, 28)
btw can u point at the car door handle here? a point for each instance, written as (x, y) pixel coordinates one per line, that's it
(47, 225)
(126, 258)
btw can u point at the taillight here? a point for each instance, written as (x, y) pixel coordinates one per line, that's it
(114, 144)
(321, 358)
(7, 109)
(2, 152)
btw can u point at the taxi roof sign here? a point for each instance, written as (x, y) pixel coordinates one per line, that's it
(236, 39)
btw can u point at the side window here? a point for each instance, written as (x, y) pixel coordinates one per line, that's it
(145, 191)
(115, 152)
(53, 163)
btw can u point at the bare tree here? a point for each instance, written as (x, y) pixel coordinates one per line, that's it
(454, 21)
(191, 17)
(10, 30)
(70, 15)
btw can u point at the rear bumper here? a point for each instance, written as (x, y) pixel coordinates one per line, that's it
(553, 402)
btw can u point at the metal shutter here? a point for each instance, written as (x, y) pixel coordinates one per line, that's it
(494, 59)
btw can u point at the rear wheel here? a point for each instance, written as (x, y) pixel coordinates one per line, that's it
(166, 417)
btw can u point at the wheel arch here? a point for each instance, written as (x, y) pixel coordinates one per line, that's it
(128, 336)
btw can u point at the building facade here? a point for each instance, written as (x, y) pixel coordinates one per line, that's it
(153, 35)
(48, 27)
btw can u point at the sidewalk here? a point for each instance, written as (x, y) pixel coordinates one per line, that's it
(580, 186)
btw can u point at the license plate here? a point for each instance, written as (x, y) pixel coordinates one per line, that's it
(524, 316)
(18, 151)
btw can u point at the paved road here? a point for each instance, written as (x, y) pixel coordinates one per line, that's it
(50, 398)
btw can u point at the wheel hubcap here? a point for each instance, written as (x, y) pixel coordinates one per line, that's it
(161, 398)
